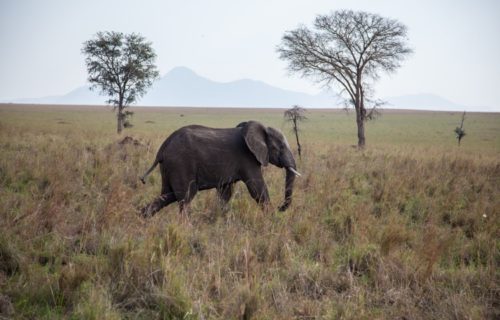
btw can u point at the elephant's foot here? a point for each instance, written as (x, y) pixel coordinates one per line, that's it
(149, 210)
(285, 205)
(155, 206)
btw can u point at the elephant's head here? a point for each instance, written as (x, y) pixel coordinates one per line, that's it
(270, 146)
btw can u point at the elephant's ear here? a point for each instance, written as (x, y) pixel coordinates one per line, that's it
(255, 134)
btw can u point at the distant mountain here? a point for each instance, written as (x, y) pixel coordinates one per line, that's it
(424, 101)
(81, 95)
(183, 87)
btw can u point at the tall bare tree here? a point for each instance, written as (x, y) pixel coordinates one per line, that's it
(121, 67)
(349, 49)
(295, 115)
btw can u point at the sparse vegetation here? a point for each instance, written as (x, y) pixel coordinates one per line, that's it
(296, 115)
(407, 228)
(459, 131)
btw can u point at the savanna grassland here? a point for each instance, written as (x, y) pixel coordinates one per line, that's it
(406, 229)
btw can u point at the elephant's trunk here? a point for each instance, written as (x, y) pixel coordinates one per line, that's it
(289, 180)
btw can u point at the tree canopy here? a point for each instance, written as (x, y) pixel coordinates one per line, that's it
(348, 49)
(121, 66)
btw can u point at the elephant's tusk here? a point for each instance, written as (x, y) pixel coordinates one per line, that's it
(294, 171)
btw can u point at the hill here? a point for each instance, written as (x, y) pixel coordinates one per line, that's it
(183, 87)
(423, 101)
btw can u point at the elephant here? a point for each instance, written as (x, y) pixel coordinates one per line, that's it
(196, 157)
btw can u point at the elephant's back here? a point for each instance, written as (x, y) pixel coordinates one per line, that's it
(194, 139)
(201, 134)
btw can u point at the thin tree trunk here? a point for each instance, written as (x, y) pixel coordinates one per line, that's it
(361, 128)
(360, 112)
(119, 127)
(296, 130)
(360, 122)
(460, 136)
(120, 116)
(299, 148)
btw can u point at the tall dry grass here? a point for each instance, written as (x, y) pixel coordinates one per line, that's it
(384, 233)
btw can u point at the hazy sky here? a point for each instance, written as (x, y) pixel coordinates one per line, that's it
(456, 42)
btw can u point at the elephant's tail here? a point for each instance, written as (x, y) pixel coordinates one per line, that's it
(143, 178)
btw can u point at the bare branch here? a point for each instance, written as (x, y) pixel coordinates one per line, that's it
(349, 49)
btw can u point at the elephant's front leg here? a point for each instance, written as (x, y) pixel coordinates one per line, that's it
(258, 190)
(186, 193)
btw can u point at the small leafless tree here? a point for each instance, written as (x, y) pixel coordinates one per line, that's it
(349, 49)
(295, 115)
(459, 131)
(121, 67)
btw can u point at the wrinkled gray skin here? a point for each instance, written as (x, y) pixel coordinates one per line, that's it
(198, 158)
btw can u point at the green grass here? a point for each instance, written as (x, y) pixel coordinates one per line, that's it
(393, 129)
(407, 228)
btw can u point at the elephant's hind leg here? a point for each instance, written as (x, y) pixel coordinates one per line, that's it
(224, 194)
(159, 203)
